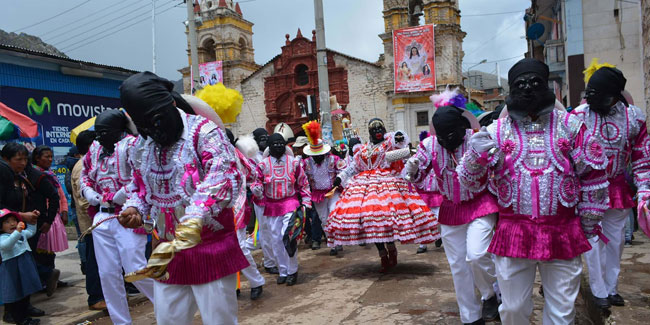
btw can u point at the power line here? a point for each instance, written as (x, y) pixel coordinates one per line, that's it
(100, 11)
(146, 5)
(500, 60)
(493, 13)
(48, 19)
(119, 30)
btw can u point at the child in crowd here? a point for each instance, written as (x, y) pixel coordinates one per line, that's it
(18, 275)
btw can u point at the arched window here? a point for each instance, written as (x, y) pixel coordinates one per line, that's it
(301, 104)
(242, 48)
(302, 77)
(209, 53)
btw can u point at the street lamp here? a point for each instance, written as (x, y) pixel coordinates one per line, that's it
(469, 83)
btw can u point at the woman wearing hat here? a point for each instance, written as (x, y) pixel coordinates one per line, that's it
(321, 168)
(377, 205)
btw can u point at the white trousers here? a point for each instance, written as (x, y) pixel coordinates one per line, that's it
(216, 301)
(265, 236)
(561, 280)
(118, 248)
(604, 260)
(251, 273)
(471, 264)
(287, 265)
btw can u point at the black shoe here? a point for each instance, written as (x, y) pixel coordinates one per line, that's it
(438, 242)
(34, 312)
(602, 303)
(131, 290)
(315, 245)
(480, 321)
(339, 247)
(616, 300)
(62, 284)
(238, 292)
(256, 292)
(7, 318)
(491, 309)
(282, 280)
(333, 252)
(29, 321)
(362, 244)
(292, 279)
(272, 270)
(421, 249)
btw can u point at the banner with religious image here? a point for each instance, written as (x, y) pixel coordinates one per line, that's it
(414, 56)
(210, 73)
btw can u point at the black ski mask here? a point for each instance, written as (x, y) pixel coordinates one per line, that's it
(150, 102)
(450, 126)
(604, 90)
(110, 126)
(376, 130)
(529, 92)
(261, 137)
(353, 142)
(319, 159)
(277, 145)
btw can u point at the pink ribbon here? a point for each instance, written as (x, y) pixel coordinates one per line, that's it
(139, 182)
(170, 219)
(190, 171)
(483, 159)
(534, 189)
(598, 231)
(456, 189)
(108, 197)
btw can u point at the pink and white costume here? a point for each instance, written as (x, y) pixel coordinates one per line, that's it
(103, 179)
(540, 172)
(280, 181)
(625, 139)
(264, 227)
(466, 220)
(196, 177)
(242, 217)
(321, 179)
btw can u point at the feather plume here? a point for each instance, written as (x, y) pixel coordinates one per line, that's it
(312, 131)
(449, 97)
(247, 145)
(593, 67)
(424, 135)
(226, 102)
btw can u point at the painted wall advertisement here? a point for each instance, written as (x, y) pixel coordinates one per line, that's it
(414, 56)
(211, 73)
(57, 114)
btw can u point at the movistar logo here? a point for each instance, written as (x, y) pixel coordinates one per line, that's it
(38, 109)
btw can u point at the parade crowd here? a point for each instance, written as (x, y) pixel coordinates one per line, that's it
(170, 204)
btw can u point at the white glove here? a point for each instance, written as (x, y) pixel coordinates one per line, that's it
(257, 191)
(120, 197)
(91, 196)
(412, 166)
(481, 141)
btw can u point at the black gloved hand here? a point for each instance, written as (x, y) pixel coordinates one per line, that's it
(337, 181)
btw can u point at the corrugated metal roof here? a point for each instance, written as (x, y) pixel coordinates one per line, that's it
(33, 78)
(52, 56)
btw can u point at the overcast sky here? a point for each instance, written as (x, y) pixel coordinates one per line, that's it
(118, 32)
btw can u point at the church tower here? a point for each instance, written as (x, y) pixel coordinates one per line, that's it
(412, 112)
(223, 35)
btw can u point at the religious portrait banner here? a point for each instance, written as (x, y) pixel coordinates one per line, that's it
(211, 73)
(414, 56)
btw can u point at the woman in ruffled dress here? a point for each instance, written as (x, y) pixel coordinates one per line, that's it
(377, 205)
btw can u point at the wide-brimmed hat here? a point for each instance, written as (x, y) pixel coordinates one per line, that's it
(301, 141)
(316, 145)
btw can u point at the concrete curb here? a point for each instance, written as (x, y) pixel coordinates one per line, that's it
(93, 315)
(597, 315)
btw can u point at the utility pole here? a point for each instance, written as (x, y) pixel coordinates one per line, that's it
(323, 79)
(194, 55)
(153, 34)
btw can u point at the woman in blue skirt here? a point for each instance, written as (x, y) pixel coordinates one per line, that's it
(18, 275)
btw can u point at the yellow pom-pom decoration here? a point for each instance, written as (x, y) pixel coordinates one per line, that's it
(226, 102)
(593, 67)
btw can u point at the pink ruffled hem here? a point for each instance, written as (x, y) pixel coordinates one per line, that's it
(318, 195)
(620, 193)
(545, 238)
(276, 208)
(460, 214)
(432, 199)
